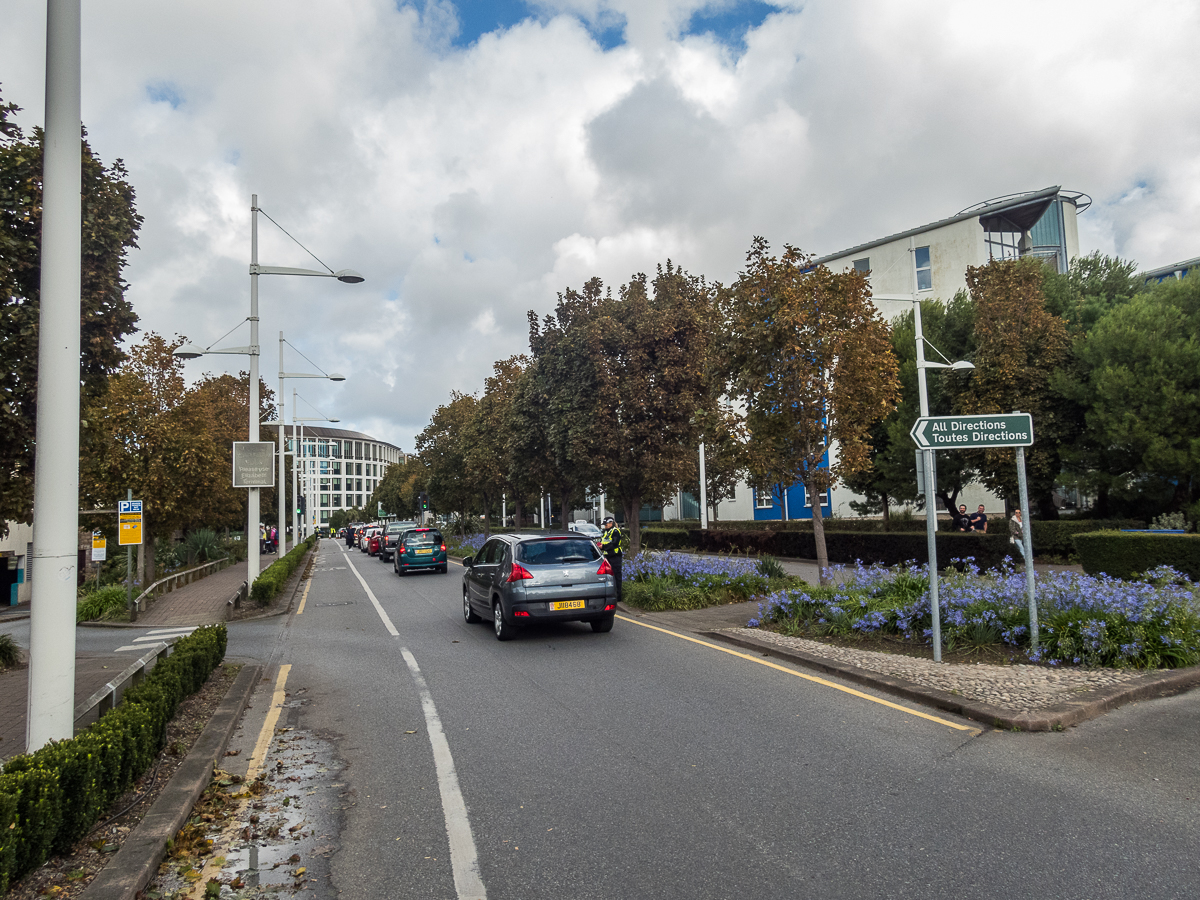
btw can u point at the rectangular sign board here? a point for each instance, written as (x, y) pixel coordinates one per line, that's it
(129, 522)
(973, 432)
(99, 547)
(253, 464)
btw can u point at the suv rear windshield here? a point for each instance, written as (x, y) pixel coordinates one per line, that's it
(395, 528)
(423, 538)
(556, 552)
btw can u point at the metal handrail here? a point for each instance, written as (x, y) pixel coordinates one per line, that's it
(106, 697)
(174, 576)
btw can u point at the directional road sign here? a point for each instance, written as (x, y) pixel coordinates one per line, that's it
(973, 432)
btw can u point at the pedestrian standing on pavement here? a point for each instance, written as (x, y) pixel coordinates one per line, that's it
(1016, 533)
(610, 546)
(979, 520)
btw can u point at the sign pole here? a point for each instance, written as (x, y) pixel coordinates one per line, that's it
(931, 543)
(128, 568)
(1027, 547)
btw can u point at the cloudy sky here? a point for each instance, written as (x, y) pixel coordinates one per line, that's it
(472, 159)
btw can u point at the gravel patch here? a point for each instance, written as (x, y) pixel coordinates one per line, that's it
(1022, 688)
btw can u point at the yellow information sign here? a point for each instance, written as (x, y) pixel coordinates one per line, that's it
(99, 547)
(129, 530)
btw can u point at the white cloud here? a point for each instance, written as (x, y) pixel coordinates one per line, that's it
(470, 185)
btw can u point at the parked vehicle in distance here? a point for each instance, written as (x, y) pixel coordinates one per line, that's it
(391, 536)
(518, 579)
(420, 548)
(370, 543)
(579, 526)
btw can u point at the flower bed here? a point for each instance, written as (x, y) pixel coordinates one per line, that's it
(1084, 620)
(665, 580)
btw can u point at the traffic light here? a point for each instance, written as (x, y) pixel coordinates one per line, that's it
(424, 501)
(300, 506)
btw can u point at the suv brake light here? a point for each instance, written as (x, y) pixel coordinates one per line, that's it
(518, 573)
(605, 568)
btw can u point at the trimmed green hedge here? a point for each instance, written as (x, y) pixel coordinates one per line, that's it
(271, 580)
(1125, 555)
(988, 550)
(51, 798)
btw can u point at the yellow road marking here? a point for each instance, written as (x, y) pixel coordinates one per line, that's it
(210, 868)
(814, 678)
(268, 729)
(300, 608)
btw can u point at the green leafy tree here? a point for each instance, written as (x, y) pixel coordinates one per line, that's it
(1143, 391)
(399, 488)
(110, 227)
(490, 451)
(443, 449)
(811, 359)
(1019, 345)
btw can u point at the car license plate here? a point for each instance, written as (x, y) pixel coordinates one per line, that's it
(424, 552)
(567, 604)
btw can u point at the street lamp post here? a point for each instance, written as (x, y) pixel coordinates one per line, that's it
(282, 549)
(299, 454)
(928, 467)
(347, 276)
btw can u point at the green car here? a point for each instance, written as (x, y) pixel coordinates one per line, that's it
(419, 548)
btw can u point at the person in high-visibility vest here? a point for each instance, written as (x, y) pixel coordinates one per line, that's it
(610, 546)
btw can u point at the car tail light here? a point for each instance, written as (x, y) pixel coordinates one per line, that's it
(521, 612)
(605, 568)
(610, 607)
(518, 573)
(443, 548)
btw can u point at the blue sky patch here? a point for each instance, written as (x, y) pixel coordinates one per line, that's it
(728, 23)
(164, 92)
(479, 17)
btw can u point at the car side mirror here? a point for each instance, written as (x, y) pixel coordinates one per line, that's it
(468, 561)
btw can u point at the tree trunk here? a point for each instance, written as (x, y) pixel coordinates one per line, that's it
(487, 515)
(633, 523)
(1046, 508)
(566, 510)
(887, 518)
(810, 489)
(139, 571)
(148, 541)
(517, 511)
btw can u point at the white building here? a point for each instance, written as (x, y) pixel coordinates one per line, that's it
(340, 469)
(931, 261)
(16, 572)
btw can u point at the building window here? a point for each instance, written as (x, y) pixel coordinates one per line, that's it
(358, 485)
(337, 484)
(337, 468)
(358, 449)
(924, 270)
(324, 518)
(358, 470)
(863, 265)
(29, 562)
(325, 500)
(764, 500)
(826, 499)
(337, 501)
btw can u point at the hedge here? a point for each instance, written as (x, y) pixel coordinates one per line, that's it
(271, 580)
(988, 550)
(51, 798)
(1125, 555)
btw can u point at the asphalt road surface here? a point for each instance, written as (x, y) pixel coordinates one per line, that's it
(640, 764)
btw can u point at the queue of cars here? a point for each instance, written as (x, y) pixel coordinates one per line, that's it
(515, 579)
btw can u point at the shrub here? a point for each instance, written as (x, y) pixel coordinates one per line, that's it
(98, 604)
(666, 539)
(1057, 539)
(1125, 554)
(52, 797)
(271, 580)
(203, 544)
(10, 653)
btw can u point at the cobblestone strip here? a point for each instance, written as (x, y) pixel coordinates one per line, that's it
(1019, 688)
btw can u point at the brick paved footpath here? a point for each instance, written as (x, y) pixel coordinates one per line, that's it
(202, 602)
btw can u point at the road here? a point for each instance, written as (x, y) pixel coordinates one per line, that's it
(641, 764)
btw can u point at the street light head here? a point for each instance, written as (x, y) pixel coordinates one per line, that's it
(334, 376)
(333, 420)
(189, 351)
(348, 276)
(962, 364)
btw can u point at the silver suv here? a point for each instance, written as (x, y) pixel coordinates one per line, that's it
(519, 579)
